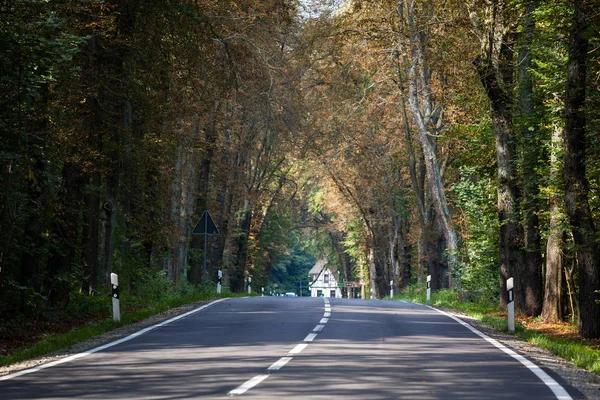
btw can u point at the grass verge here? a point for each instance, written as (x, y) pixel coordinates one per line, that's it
(571, 347)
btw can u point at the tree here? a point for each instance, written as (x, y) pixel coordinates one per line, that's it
(574, 174)
(494, 25)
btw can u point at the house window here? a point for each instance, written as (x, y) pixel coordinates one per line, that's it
(332, 293)
(326, 278)
(319, 293)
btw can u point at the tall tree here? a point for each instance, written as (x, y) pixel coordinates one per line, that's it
(494, 25)
(574, 173)
(532, 264)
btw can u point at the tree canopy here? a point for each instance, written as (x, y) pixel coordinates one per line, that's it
(396, 139)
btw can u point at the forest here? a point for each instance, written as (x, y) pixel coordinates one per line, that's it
(397, 139)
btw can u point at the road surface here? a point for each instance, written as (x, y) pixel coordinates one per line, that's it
(305, 348)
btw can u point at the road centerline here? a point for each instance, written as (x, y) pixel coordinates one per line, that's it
(277, 365)
(244, 387)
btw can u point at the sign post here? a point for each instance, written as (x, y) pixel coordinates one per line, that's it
(219, 281)
(511, 305)
(206, 226)
(391, 289)
(249, 283)
(114, 281)
(428, 288)
(362, 288)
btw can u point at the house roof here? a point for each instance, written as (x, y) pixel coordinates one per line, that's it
(316, 270)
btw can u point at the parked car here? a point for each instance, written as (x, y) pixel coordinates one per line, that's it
(290, 294)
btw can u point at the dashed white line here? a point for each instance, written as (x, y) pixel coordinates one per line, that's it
(310, 337)
(279, 363)
(243, 388)
(298, 348)
(276, 366)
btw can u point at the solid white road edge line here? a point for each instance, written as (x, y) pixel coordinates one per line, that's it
(106, 346)
(556, 388)
(310, 337)
(243, 388)
(279, 363)
(298, 348)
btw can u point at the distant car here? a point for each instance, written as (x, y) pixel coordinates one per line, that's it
(290, 294)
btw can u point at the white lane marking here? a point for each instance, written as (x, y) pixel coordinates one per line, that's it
(310, 337)
(279, 363)
(106, 346)
(323, 320)
(318, 328)
(243, 388)
(556, 388)
(327, 315)
(298, 348)
(328, 309)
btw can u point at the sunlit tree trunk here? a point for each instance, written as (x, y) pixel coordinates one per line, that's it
(553, 288)
(426, 119)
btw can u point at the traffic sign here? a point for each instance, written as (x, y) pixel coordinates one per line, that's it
(206, 226)
(362, 282)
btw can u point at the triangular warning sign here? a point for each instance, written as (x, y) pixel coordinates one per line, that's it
(206, 226)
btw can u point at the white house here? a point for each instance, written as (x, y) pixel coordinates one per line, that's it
(323, 282)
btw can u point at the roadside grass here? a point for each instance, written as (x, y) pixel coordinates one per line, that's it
(569, 346)
(134, 309)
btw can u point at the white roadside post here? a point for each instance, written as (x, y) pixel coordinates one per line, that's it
(249, 283)
(428, 288)
(114, 281)
(262, 291)
(219, 280)
(511, 305)
(391, 289)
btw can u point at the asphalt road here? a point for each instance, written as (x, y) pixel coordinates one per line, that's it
(305, 348)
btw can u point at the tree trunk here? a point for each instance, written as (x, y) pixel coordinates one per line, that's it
(425, 118)
(553, 291)
(532, 268)
(552, 309)
(574, 175)
(90, 235)
(202, 197)
(183, 188)
(510, 242)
